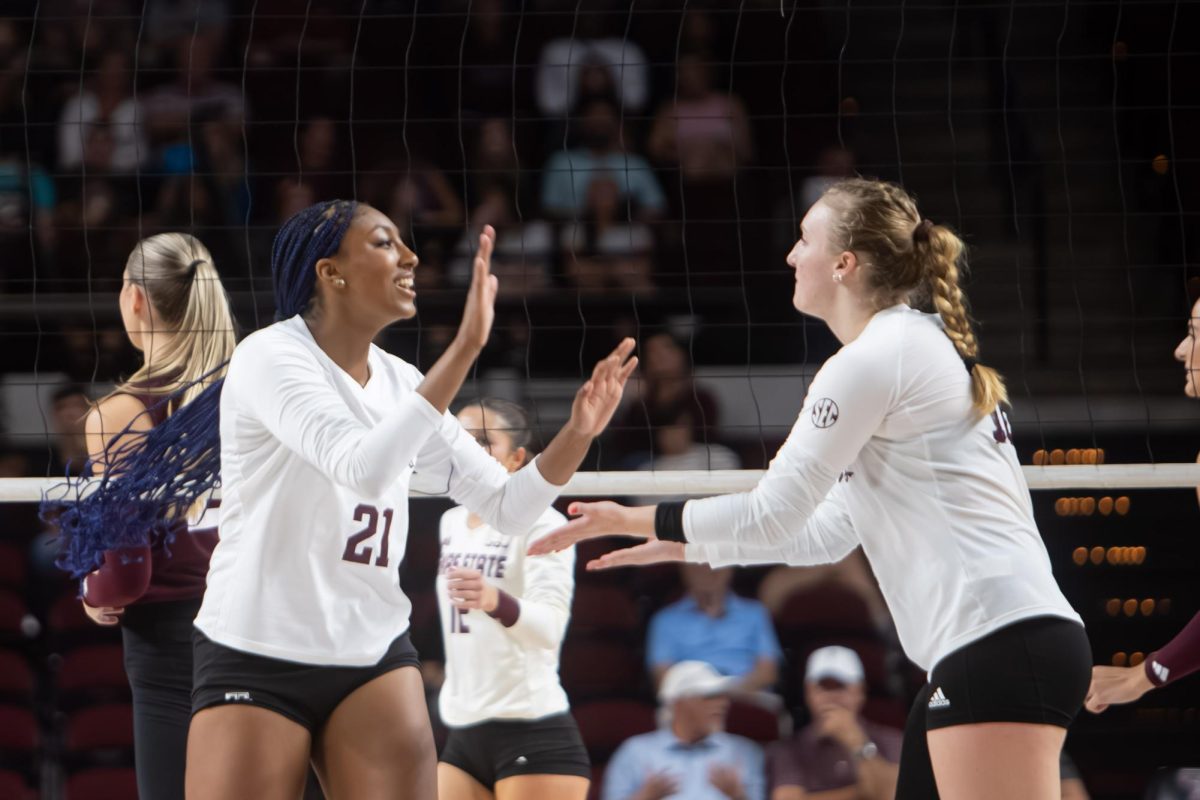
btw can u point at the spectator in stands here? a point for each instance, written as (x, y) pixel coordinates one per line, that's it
(663, 381)
(193, 98)
(575, 69)
(691, 757)
(838, 750)
(601, 250)
(714, 625)
(27, 199)
(106, 101)
(495, 171)
(69, 407)
(703, 130)
(568, 174)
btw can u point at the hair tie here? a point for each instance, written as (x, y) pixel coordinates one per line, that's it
(970, 363)
(921, 232)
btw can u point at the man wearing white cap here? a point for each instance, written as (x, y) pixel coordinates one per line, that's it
(690, 756)
(839, 755)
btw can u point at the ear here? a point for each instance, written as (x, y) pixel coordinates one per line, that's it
(138, 302)
(516, 459)
(847, 264)
(327, 270)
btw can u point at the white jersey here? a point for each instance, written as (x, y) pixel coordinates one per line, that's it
(498, 667)
(316, 472)
(888, 453)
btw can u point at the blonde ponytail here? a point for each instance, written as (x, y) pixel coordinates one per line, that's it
(189, 307)
(940, 251)
(905, 257)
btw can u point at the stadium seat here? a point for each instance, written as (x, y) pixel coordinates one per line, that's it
(604, 724)
(752, 721)
(12, 611)
(105, 727)
(13, 566)
(14, 787)
(604, 609)
(16, 678)
(93, 674)
(102, 783)
(823, 609)
(18, 733)
(591, 669)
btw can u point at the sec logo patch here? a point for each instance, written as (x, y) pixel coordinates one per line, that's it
(824, 413)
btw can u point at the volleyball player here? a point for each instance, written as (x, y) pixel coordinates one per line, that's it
(301, 646)
(176, 313)
(901, 447)
(1181, 655)
(503, 621)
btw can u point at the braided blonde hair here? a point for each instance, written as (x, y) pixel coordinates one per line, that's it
(905, 258)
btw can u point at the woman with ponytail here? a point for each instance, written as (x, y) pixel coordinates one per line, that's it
(141, 566)
(902, 448)
(301, 646)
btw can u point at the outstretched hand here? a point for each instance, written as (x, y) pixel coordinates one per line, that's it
(480, 311)
(653, 552)
(1115, 685)
(593, 520)
(598, 398)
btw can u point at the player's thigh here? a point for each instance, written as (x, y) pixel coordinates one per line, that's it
(997, 761)
(542, 787)
(454, 784)
(237, 751)
(378, 741)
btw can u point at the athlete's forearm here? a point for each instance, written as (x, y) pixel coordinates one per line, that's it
(1179, 657)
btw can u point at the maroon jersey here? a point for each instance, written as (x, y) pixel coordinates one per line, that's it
(160, 571)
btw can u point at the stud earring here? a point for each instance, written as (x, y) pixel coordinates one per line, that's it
(340, 283)
(837, 277)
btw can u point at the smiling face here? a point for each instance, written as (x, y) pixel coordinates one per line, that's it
(1187, 352)
(814, 260)
(377, 269)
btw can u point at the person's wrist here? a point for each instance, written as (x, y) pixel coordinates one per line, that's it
(464, 345)
(1139, 677)
(491, 598)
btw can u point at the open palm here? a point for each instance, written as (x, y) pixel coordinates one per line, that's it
(598, 398)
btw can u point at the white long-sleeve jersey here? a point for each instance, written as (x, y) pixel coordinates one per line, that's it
(500, 667)
(316, 472)
(888, 453)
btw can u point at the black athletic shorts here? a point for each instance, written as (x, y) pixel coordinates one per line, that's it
(306, 693)
(1035, 671)
(498, 749)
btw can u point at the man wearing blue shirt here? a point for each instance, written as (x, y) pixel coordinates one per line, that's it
(691, 757)
(714, 625)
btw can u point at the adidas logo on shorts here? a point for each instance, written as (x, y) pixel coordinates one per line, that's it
(237, 697)
(521, 761)
(938, 700)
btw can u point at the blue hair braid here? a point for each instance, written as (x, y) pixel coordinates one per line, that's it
(161, 474)
(302, 241)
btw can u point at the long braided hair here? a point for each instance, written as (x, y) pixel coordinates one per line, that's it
(905, 257)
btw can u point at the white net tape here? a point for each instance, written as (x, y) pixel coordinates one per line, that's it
(703, 483)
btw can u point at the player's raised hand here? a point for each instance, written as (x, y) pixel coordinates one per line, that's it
(480, 311)
(598, 398)
(593, 520)
(654, 552)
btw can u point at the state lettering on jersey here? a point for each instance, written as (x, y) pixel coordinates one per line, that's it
(825, 413)
(845, 476)
(490, 565)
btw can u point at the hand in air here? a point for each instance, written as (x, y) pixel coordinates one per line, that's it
(1116, 685)
(599, 397)
(468, 589)
(604, 518)
(480, 311)
(652, 552)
